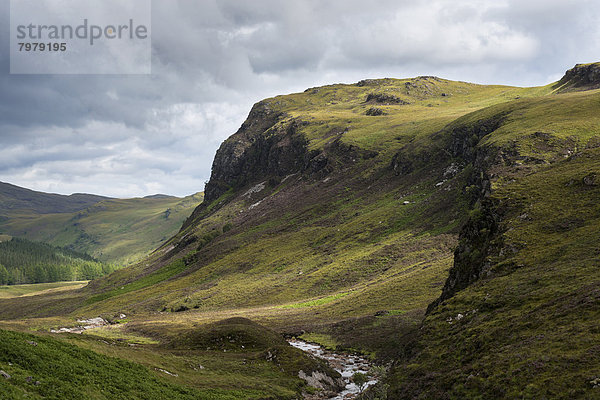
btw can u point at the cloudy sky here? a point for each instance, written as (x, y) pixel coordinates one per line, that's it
(135, 135)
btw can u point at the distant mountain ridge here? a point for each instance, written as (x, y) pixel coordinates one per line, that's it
(159, 196)
(112, 230)
(13, 198)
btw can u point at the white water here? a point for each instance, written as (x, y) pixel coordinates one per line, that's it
(347, 365)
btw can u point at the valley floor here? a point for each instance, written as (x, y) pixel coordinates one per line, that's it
(11, 291)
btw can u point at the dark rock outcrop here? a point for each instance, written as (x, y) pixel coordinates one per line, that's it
(269, 146)
(478, 237)
(384, 98)
(374, 111)
(580, 77)
(465, 138)
(402, 164)
(590, 179)
(369, 82)
(232, 155)
(266, 146)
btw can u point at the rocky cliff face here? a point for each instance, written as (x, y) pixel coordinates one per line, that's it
(269, 145)
(581, 77)
(233, 156)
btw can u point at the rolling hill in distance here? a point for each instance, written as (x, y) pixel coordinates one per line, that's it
(14, 199)
(447, 230)
(112, 230)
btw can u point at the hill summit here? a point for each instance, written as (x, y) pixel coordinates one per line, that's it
(581, 77)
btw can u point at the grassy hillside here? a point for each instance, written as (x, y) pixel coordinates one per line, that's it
(528, 327)
(41, 367)
(343, 212)
(112, 230)
(353, 239)
(45, 368)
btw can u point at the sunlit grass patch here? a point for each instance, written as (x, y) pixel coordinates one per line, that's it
(119, 333)
(33, 289)
(316, 302)
(327, 341)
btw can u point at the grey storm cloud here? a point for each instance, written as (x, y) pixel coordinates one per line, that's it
(140, 134)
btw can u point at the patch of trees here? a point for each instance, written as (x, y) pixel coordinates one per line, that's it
(23, 261)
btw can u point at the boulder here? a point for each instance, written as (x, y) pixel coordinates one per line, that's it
(590, 179)
(374, 111)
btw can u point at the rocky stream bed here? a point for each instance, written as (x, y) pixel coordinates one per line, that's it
(346, 364)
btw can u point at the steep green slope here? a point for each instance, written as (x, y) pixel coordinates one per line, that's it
(530, 326)
(23, 261)
(518, 316)
(112, 230)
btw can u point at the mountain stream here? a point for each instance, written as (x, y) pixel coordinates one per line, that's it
(345, 364)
